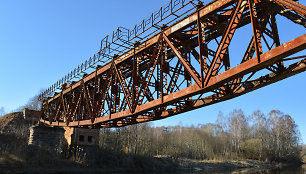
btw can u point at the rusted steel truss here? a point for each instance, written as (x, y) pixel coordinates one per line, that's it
(185, 66)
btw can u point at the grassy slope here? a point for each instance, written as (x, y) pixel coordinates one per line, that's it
(303, 154)
(10, 121)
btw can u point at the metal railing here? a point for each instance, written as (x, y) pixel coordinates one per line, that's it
(122, 39)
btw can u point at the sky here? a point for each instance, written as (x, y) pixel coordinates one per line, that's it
(43, 40)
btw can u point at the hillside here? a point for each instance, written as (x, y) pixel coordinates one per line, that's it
(10, 121)
(14, 125)
(303, 154)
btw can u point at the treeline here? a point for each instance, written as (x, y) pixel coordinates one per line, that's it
(271, 137)
(2, 111)
(33, 104)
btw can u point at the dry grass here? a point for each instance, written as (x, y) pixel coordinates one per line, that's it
(213, 165)
(303, 154)
(14, 130)
(10, 120)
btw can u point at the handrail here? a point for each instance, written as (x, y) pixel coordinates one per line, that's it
(121, 40)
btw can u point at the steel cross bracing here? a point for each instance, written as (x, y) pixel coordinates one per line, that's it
(121, 40)
(185, 66)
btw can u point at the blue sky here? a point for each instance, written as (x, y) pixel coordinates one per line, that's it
(42, 40)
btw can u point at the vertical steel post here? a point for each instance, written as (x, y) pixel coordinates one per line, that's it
(256, 31)
(200, 42)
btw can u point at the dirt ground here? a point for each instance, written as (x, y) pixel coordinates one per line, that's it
(216, 165)
(11, 165)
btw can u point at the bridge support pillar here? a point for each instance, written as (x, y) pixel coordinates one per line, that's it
(57, 137)
(47, 137)
(82, 136)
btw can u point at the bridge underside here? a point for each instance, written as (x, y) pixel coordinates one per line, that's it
(186, 66)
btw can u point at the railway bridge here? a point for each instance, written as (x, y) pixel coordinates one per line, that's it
(180, 58)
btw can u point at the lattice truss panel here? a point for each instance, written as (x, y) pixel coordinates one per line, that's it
(187, 65)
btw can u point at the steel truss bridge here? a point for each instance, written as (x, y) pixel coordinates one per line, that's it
(178, 59)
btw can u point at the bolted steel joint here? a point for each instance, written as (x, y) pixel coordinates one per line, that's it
(136, 43)
(199, 4)
(163, 26)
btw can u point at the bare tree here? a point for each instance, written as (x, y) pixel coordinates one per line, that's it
(2, 111)
(265, 137)
(33, 104)
(238, 127)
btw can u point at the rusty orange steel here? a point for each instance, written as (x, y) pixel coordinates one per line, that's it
(154, 70)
